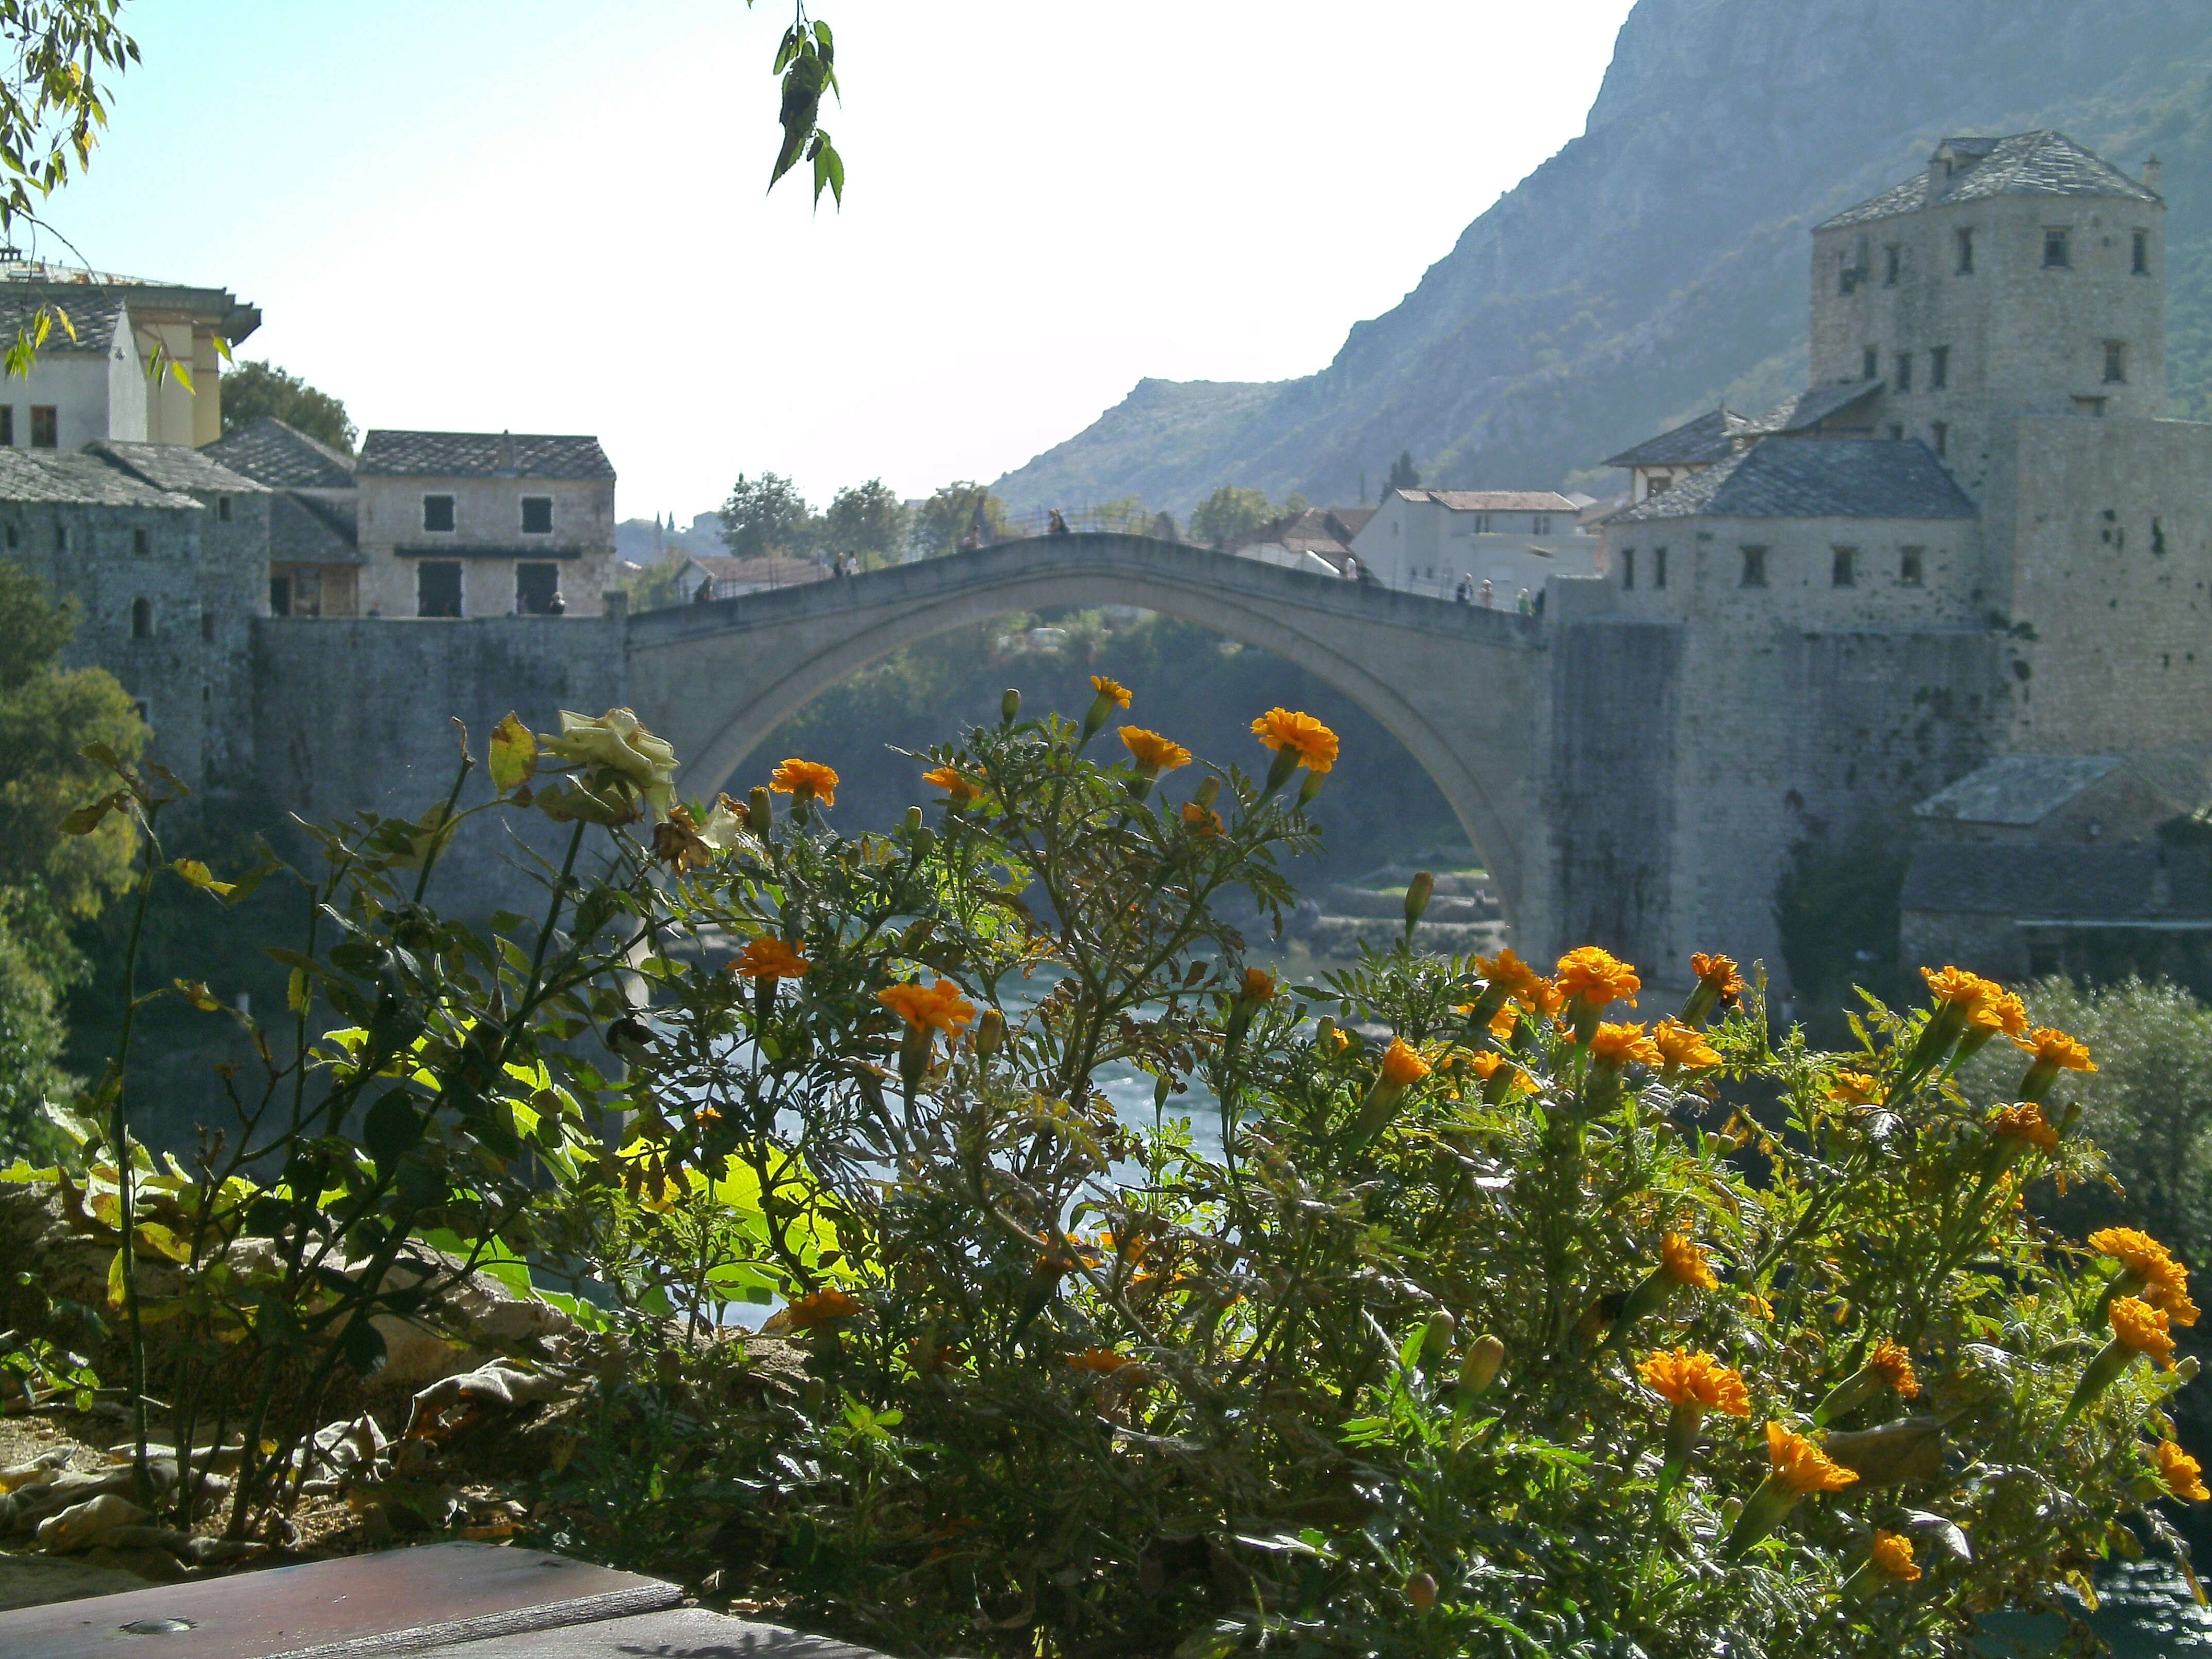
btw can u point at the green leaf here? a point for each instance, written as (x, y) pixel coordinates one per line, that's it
(362, 1345)
(200, 876)
(390, 1129)
(88, 818)
(513, 753)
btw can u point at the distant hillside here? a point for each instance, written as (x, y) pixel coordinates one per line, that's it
(1658, 264)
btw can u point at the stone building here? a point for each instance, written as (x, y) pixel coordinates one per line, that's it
(314, 558)
(1427, 541)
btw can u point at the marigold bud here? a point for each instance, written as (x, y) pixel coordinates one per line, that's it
(760, 809)
(1010, 706)
(913, 820)
(1417, 893)
(1207, 792)
(1435, 1339)
(990, 1032)
(1421, 1592)
(1484, 1355)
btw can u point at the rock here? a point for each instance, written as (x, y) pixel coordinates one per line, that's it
(81, 1525)
(33, 1581)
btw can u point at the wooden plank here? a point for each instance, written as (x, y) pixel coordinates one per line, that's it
(691, 1632)
(397, 1601)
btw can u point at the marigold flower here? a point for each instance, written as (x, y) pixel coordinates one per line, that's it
(1314, 744)
(1894, 1363)
(1855, 1089)
(2183, 1474)
(1956, 988)
(2158, 1279)
(1202, 819)
(1102, 1362)
(705, 1114)
(1891, 1555)
(1719, 973)
(1685, 1262)
(2024, 1122)
(805, 780)
(1402, 1066)
(1259, 985)
(817, 1308)
(1485, 1062)
(1112, 689)
(2055, 1049)
(1682, 1378)
(1153, 753)
(1617, 1045)
(940, 1006)
(1596, 978)
(1802, 1467)
(767, 957)
(1511, 975)
(1682, 1045)
(951, 781)
(1998, 1012)
(2141, 1328)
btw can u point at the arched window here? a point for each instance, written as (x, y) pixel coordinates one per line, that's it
(141, 619)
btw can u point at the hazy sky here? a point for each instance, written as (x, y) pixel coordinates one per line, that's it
(550, 216)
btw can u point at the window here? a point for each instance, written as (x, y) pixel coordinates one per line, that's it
(207, 625)
(1482, 524)
(1658, 567)
(1965, 251)
(139, 549)
(437, 514)
(141, 619)
(1754, 567)
(1896, 431)
(1893, 260)
(1628, 567)
(1939, 438)
(2116, 362)
(61, 539)
(1540, 524)
(46, 427)
(537, 515)
(1660, 484)
(1939, 368)
(538, 589)
(438, 586)
(1843, 567)
(2093, 407)
(1904, 371)
(1909, 560)
(222, 509)
(2056, 254)
(7, 424)
(15, 537)
(280, 596)
(1870, 365)
(2141, 267)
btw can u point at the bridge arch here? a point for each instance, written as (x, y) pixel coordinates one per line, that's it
(1456, 686)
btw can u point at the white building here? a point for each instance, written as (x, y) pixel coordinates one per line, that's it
(1429, 541)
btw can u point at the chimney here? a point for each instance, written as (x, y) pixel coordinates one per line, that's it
(2150, 174)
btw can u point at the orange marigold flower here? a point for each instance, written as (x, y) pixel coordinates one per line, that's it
(1153, 753)
(1891, 1555)
(2024, 1122)
(1853, 1088)
(1957, 988)
(1103, 1361)
(1203, 819)
(1259, 985)
(2054, 1048)
(767, 957)
(1617, 1045)
(1314, 744)
(1682, 1378)
(1596, 978)
(1719, 973)
(1686, 1263)
(1801, 1467)
(2183, 1474)
(704, 1115)
(1895, 1364)
(1510, 975)
(2175, 1303)
(1112, 689)
(819, 1308)
(922, 1007)
(2141, 1328)
(2164, 1280)
(945, 778)
(1998, 1012)
(1402, 1066)
(1684, 1046)
(1485, 1062)
(805, 780)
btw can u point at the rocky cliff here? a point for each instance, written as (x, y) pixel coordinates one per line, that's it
(1658, 263)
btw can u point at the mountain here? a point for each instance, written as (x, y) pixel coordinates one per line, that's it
(1657, 264)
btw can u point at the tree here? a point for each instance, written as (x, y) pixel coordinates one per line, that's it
(866, 520)
(1229, 512)
(252, 389)
(1403, 474)
(947, 518)
(766, 516)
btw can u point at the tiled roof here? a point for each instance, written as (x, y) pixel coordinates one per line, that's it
(1493, 501)
(1709, 438)
(1809, 409)
(482, 455)
(72, 477)
(764, 572)
(2138, 881)
(2025, 164)
(175, 466)
(283, 456)
(93, 309)
(1323, 529)
(1814, 479)
(305, 530)
(2018, 789)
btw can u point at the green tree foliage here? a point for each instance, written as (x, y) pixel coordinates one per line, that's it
(252, 389)
(952, 512)
(1835, 909)
(1403, 473)
(1229, 512)
(866, 520)
(766, 516)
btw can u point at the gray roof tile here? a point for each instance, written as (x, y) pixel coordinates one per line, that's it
(2025, 164)
(94, 311)
(175, 466)
(304, 530)
(272, 452)
(2018, 789)
(482, 455)
(1814, 479)
(71, 477)
(2137, 881)
(1709, 438)
(1809, 409)
(1493, 501)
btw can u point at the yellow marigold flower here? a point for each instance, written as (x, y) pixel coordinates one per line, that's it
(2141, 1328)
(1853, 1088)
(1758, 1306)
(2024, 1122)
(922, 1007)
(1957, 988)
(2183, 1474)
(1510, 975)
(819, 1308)
(2175, 1303)
(1112, 690)
(1617, 1045)
(1891, 1555)
(1102, 1361)
(1895, 1364)
(1402, 1067)
(945, 778)
(1314, 744)
(806, 780)
(2144, 1258)
(1202, 819)
(1485, 1062)
(1719, 973)
(1338, 1039)
(1686, 1263)
(1801, 1467)
(705, 1114)
(1683, 1045)
(767, 957)
(2054, 1048)
(2011, 1011)
(1596, 978)
(1259, 985)
(1153, 753)
(1682, 1378)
